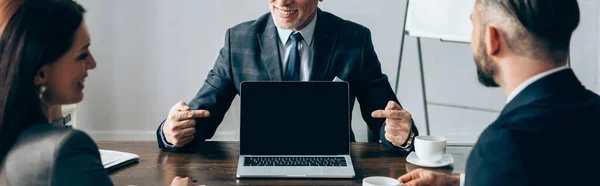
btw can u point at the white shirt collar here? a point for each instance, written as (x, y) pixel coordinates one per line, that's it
(531, 80)
(306, 32)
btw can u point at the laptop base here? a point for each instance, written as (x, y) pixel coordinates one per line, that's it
(295, 171)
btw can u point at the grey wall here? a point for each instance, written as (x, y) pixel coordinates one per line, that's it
(152, 54)
(585, 48)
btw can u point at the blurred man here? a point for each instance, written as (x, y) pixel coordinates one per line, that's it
(296, 41)
(542, 135)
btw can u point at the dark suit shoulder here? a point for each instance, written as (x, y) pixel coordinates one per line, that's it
(554, 115)
(344, 27)
(79, 155)
(498, 139)
(521, 144)
(76, 140)
(57, 136)
(252, 26)
(519, 120)
(44, 135)
(494, 158)
(56, 141)
(493, 138)
(33, 158)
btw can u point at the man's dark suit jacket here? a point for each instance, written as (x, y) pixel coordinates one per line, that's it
(544, 136)
(343, 49)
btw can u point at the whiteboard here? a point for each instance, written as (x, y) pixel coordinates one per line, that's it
(447, 20)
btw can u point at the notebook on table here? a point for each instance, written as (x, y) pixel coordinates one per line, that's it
(114, 159)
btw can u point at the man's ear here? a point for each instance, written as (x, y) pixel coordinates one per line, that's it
(41, 77)
(493, 40)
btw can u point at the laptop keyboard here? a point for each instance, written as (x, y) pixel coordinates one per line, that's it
(296, 161)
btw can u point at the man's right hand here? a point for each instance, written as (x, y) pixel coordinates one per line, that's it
(179, 128)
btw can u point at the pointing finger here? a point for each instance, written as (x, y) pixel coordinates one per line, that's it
(391, 114)
(192, 114)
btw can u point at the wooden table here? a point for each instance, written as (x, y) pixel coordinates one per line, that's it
(215, 163)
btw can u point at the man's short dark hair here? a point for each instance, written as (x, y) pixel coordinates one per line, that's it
(544, 27)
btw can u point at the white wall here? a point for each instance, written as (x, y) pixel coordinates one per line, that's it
(153, 53)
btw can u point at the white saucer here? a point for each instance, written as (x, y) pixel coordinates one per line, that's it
(448, 159)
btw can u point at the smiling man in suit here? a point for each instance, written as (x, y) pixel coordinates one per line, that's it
(296, 41)
(546, 132)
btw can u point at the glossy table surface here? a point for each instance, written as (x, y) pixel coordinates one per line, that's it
(215, 163)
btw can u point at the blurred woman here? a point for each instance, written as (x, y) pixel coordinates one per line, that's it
(44, 60)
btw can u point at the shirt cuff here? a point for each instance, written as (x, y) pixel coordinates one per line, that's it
(162, 138)
(462, 180)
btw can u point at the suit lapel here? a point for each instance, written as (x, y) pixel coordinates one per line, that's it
(324, 42)
(269, 50)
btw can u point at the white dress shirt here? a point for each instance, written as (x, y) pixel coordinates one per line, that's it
(531, 80)
(305, 47)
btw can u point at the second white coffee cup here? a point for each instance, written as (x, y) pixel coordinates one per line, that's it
(380, 181)
(430, 148)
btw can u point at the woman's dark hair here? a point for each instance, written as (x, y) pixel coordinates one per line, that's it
(34, 33)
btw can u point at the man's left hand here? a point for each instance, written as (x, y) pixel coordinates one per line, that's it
(398, 123)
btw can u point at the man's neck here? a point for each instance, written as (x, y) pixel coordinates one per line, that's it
(516, 70)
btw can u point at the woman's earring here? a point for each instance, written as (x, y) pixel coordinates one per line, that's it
(42, 91)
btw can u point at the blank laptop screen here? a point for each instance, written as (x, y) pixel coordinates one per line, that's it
(295, 118)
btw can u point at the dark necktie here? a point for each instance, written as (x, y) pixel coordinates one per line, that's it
(292, 71)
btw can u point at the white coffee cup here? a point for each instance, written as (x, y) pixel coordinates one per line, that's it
(430, 148)
(380, 181)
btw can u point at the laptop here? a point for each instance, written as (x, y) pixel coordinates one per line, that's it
(295, 130)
